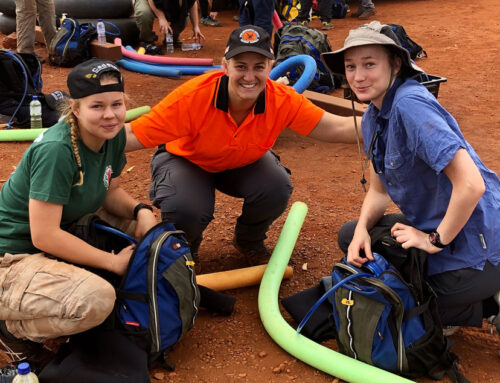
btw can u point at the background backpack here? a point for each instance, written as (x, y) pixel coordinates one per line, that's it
(293, 40)
(20, 80)
(339, 9)
(415, 50)
(70, 45)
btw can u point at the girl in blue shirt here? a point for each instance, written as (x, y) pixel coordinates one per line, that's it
(449, 200)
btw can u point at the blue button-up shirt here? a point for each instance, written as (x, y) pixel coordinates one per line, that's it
(416, 139)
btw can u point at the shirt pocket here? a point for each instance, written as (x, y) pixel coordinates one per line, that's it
(397, 172)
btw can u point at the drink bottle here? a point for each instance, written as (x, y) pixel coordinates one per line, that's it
(24, 374)
(101, 32)
(35, 113)
(191, 46)
(170, 43)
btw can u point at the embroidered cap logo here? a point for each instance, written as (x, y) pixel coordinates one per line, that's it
(249, 36)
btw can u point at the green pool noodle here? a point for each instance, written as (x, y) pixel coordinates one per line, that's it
(304, 349)
(132, 114)
(31, 134)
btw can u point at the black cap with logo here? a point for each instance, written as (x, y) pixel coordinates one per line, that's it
(85, 78)
(249, 38)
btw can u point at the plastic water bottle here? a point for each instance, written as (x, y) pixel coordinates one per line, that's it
(191, 46)
(101, 32)
(35, 113)
(170, 43)
(24, 374)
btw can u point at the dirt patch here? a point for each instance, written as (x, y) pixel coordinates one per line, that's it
(462, 42)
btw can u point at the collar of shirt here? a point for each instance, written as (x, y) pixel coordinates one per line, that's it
(376, 147)
(221, 97)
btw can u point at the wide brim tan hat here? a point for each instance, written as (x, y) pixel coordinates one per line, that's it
(370, 34)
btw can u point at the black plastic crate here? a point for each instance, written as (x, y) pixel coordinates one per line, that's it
(429, 81)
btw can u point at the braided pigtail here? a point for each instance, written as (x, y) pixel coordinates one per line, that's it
(66, 111)
(74, 138)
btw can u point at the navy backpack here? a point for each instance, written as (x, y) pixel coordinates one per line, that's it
(385, 313)
(157, 297)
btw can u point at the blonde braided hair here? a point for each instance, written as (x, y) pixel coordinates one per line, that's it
(71, 119)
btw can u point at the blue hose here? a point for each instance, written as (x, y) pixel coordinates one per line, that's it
(290, 63)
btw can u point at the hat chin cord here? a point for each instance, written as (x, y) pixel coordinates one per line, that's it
(364, 162)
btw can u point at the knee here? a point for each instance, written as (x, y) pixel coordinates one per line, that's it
(276, 196)
(92, 302)
(190, 216)
(345, 235)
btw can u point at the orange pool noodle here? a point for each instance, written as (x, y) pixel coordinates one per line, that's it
(233, 279)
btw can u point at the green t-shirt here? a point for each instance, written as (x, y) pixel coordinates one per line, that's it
(48, 172)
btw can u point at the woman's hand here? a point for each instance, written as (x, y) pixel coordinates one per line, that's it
(145, 221)
(361, 241)
(408, 236)
(118, 263)
(164, 26)
(197, 35)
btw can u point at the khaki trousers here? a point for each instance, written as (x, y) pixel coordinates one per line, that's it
(26, 15)
(44, 298)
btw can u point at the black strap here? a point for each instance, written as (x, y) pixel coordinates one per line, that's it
(416, 311)
(132, 296)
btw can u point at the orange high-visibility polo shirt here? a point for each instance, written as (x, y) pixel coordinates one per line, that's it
(194, 122)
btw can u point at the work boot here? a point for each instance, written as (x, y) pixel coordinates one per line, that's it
(450, 330)
(255, 253)
(494, 320)
(326, 26)
(366, 14)
(210, 22)
(18, 350)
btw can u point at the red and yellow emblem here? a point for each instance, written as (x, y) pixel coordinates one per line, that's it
(249, 36)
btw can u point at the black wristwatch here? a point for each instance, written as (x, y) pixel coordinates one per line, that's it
(435, 239)
(140, 206)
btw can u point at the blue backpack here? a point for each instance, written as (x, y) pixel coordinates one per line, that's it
(157, 297)
(369, 307)
(339, 9)
(385, 313)
(70, 45)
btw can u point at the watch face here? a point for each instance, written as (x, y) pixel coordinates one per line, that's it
(435, 240)
(432, 238)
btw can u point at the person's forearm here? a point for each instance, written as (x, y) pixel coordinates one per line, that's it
(334, 128)
(374, 206)
(158, 12)
(119, 203)
(375, 203)
(193, 15)
(67, 247)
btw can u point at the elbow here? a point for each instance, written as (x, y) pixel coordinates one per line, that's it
(42, 241)
(38, 241)
(476, 189)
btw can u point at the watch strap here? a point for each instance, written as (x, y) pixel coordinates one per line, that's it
(140, 206)
(435, 239)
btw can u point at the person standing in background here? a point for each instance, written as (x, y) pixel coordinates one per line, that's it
(366, 9)
(258, 13)
(209, 14)
(324, 10)
(27, 12)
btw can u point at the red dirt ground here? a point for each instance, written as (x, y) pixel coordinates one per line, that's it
(462, 40)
